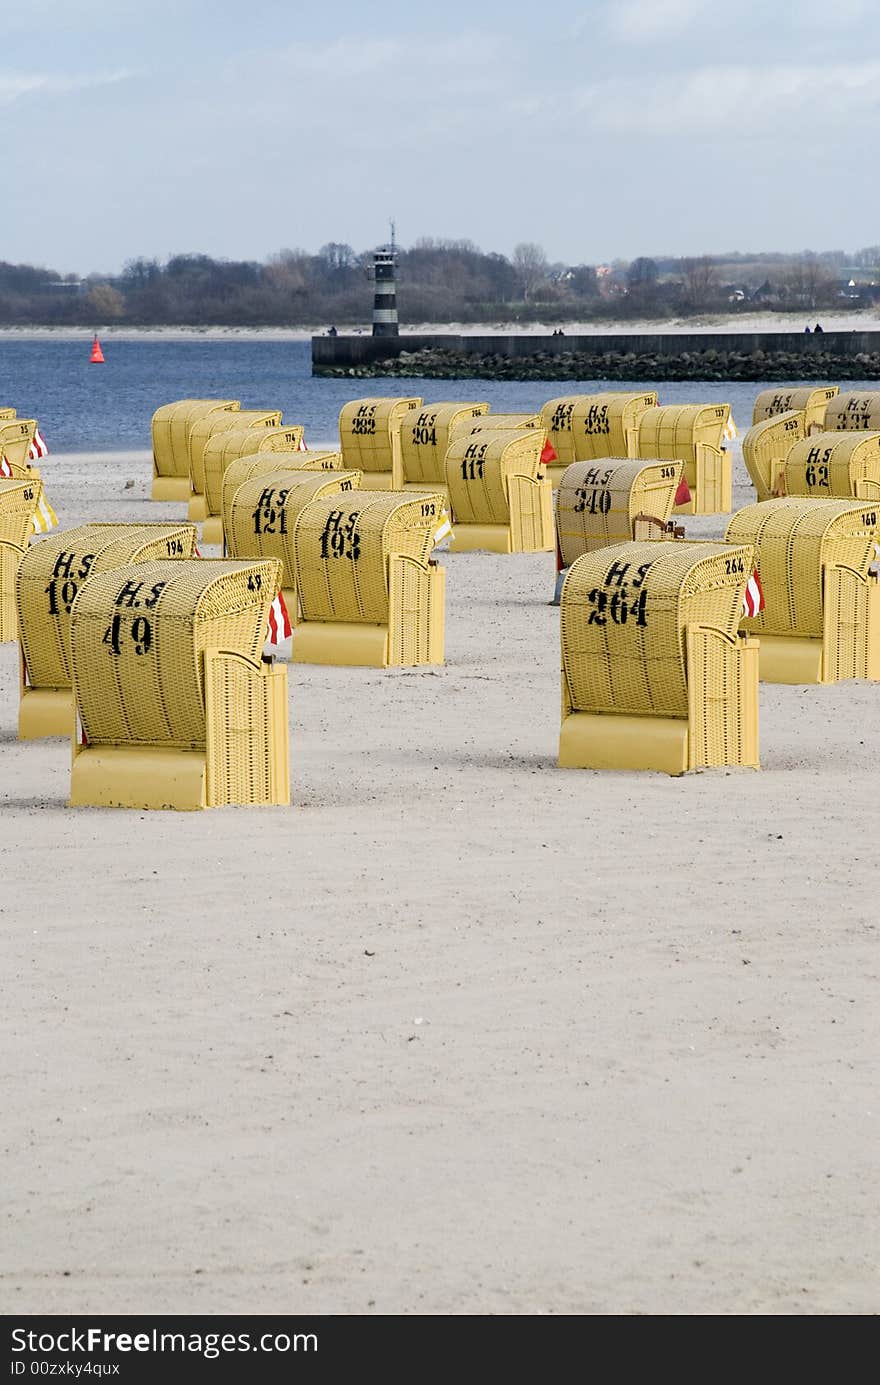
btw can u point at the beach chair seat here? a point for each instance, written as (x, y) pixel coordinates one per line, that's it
(821, 617)
(692, 433)
(598, 503)
(810, 400)
(209, 426)
(855, 411)
(50, 577)
(176, 707)
(171, 428)
(765, 447)
(655, 675)
(838, 465)
(500, 496)
(425, 434)
(369, 591)
(369, 435)
(262, 514)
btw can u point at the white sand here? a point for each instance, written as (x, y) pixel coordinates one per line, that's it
(459, 1032)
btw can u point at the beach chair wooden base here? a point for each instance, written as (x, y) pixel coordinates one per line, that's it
(245, 760)
(171, 488)
(719, 729)
(45, 712)
(197, 508)
(415, 633)
(212, 530)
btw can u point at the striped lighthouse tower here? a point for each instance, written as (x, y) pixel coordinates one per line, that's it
(385, 295)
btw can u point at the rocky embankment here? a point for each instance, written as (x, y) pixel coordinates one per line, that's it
(442, 364)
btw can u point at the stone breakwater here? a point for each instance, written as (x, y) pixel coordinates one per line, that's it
(443, 363)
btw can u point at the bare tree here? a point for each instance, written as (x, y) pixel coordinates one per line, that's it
(531, 267)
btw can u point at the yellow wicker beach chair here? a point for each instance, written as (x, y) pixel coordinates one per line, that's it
(6, 413)
(607, 424)
(856, 411)
(207, 427)
(598, 503)
(50, 576)
(16, 436)
(369, 592)
(19, 501)
(654, 673)
(369, 433)
(501, 500)
(811, 401)
(821, 619)
(508, 423)
(11, 555)
(556, 416)
(264, 464)
(176, 708)
(425, 434)
(834, 466)
(222, 449)
(692, 433)
(765, 447)
(171, 427)
(18, 505)
(262, 515)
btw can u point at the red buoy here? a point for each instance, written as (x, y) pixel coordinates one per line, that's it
(97, 356)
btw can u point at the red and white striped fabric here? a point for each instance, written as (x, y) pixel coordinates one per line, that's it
(302, 444)
(38, 447)
(5, 468)
(280, 628)
(753, 601)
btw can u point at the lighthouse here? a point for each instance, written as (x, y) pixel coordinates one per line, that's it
(385, 295)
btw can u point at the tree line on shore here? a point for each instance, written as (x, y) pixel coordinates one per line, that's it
(438, 281)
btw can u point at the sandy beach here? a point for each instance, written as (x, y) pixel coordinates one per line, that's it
(458, 1032)
(866, 320)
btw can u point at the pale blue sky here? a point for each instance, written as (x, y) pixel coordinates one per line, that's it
(612, 128)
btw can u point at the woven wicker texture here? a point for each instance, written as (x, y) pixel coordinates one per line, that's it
(479, 468)
(18, 505)
(606, 424)
(597, 502)
(264, 510)
(138, 638)
(556, 416)
(855, 411)
(676, 430)
(222, 449)
(625, 611)
(171, 428)
(54, 571)
(369, 433)
(829, 465)
(794, 541)
(811, 401)
(507, 423)
(425, 434)
(766, 446)
(342, 550)
(264, 464)
(10, 557)
(248, 758)
(16, 436)
(209, 425)
(6, 412)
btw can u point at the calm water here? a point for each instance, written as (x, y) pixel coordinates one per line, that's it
(83, 408)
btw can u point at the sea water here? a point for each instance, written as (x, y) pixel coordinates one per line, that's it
(105, 408)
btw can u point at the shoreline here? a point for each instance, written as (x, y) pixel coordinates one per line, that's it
(733, 323)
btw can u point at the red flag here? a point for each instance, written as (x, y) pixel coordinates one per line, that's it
(549, 454)
(753, 601)
(280, 628)
(683, 494)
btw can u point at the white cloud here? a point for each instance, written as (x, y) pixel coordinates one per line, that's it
(647, 20)
(734, 100)
(13, 89)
